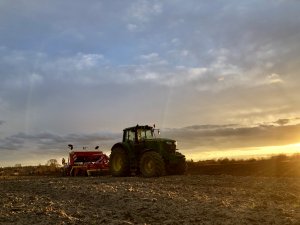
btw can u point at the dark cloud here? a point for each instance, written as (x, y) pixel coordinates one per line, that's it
(282, 121)
(53, 142)
(11, 143)
(2, 122)
(286, 121)
(226, 138)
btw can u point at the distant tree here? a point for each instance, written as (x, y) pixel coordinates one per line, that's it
(224, 161)
(52, 163)
(280, 157)
(18, 165)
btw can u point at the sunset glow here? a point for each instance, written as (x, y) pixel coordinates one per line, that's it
(247, 153)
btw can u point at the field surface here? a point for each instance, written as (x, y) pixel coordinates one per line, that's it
(194, 199)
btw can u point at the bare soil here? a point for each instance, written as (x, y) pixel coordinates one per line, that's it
(196, 199)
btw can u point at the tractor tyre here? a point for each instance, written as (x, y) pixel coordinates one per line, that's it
(152, 164)
(119, 163)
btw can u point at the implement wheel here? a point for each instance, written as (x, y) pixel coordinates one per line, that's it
(152, 164)
(119, 163)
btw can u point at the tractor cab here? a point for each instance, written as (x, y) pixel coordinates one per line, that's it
(139, 133)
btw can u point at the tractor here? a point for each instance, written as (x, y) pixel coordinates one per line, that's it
(85, 163)
(143, 152)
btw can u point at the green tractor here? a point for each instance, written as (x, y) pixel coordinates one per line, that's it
(141, 152)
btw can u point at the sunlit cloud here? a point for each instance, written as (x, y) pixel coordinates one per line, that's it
(274, 79)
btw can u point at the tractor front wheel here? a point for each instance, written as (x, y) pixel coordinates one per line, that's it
(119, 163)
(152, 164)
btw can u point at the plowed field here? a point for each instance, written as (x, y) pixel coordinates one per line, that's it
(198, 199)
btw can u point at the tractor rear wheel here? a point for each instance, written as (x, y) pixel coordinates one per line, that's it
(152, 164)
(119, 163)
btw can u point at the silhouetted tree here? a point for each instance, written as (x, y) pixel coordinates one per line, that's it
(52, 163)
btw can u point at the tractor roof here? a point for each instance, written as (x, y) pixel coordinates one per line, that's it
(145, 127)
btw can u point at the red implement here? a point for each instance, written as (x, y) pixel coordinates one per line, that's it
(82, 163)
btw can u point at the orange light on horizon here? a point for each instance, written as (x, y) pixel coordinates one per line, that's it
(244, 153)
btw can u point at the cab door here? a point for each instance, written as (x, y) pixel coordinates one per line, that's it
(140, 138)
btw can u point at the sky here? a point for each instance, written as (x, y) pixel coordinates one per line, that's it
(221, 77)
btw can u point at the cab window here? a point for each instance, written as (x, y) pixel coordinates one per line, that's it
(149, 134)
(131, 136)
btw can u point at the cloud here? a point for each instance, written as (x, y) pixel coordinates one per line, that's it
(274, 79)
(285, 121)
(86, 68)
(11, 143)
(143, 11)
(196, 73)
(81, 84)
(231, 137)
(229, 55)
(282, 122)
(87, 60)
(132, 27)
(151, 56)
(209, 126)
(42, 142)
